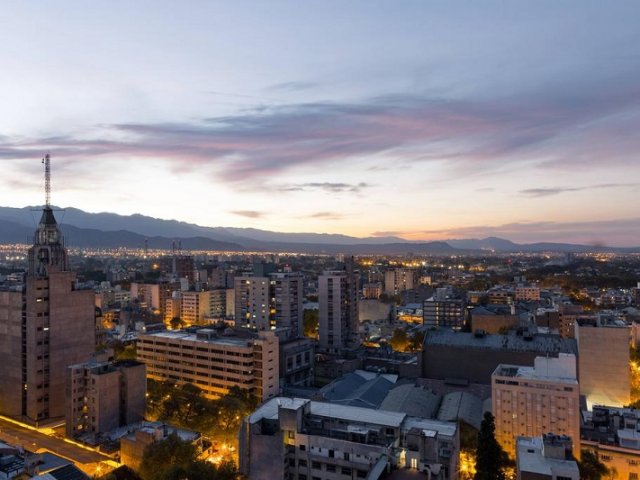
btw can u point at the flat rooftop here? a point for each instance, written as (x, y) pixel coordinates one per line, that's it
(518, 371)
(538, 343)
(269, 410)
(192, 337)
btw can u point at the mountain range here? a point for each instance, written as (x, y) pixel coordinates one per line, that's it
(110, 230)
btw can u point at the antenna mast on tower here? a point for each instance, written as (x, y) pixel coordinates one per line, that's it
(47, 180)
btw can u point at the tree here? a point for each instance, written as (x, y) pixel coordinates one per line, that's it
(310, 322)
(491, 459)
(399, 340)
(591, 468)
(416, 341)
(176, 459)
(160, 457)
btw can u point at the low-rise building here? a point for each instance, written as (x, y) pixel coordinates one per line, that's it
(214, 360)
(102, 396)
(133, 444)
(613, 434)
(303, 439)
(546, 458)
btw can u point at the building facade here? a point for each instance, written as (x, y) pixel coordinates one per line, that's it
(604, 362)
(44, 328)
(532, 401)
(549, 457)
(338, 309)
(299, 439)
(214, 361)
(102, 396)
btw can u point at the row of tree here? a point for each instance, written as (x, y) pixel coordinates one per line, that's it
(185, 406)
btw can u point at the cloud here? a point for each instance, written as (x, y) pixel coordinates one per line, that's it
(332, 187)
(553, 128)
(325, 215)
(292, 86)
(548, 191)
(249, 213)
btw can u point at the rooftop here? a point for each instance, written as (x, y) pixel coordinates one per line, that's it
(192, 337)
(539, 343)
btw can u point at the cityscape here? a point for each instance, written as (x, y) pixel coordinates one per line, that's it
(320, 241)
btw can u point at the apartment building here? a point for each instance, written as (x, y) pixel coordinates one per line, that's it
(530, 401)
(102, 396)
(300, 439)
(214, 360)
(338, 309)
(613, 434)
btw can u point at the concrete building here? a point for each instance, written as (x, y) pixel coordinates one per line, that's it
(496, 318)
(44, 328)
(613, 434)
(252, 302)
(132, 446)
(473, 357)
(545, 458)
(102, 396)
(338, 309)
(214, 360)
(530, 401)
(195, 307)
(303, 439)
(604, 362)
(443, 312)
(265, 303)
(297, 359)
(527, 293)
(372, 291)
(397, 280)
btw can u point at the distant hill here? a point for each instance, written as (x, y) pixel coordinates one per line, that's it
(109, 230)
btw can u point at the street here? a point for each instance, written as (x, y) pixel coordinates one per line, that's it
(32, 440)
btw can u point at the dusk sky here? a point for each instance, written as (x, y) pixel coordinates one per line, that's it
(427, 120)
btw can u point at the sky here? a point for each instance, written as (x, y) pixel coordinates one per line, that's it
(425, 120)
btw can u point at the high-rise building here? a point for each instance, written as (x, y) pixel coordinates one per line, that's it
(44, 328)
(252, 302)
(338, 309)
(265, 303)
(285, 302)
(531, 401)
(398, 280)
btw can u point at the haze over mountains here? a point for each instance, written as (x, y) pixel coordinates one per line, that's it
(109, 230)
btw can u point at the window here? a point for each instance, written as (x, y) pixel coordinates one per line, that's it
(302, 448)
(346, 471)
(302, 463)
(362, 474)
(316, 465)
(331, 468)
(331, 454)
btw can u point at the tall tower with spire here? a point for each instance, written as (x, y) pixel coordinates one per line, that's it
(48, 247)
(47, 326)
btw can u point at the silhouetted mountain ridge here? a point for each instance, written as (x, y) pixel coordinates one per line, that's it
(109, 230)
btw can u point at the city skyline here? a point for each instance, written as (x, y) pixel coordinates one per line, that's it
(426, 121)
